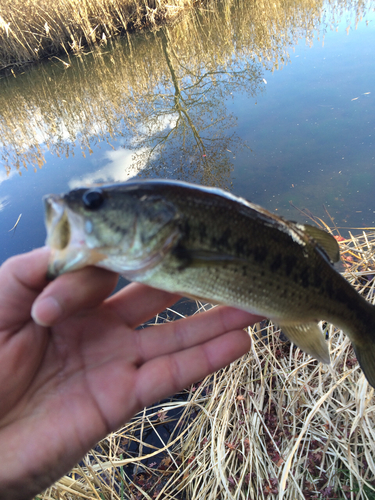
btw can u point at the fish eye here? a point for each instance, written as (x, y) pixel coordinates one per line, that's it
(93, 198)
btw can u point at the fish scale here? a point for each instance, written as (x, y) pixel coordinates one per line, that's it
(206, 243)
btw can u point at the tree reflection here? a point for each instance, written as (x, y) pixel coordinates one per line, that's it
(187, 133)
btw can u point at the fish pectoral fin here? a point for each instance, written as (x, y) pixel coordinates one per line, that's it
(308, 337)
(325, 241)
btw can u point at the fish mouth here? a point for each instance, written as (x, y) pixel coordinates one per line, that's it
(66, 239)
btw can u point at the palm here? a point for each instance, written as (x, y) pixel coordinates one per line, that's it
(66, 386)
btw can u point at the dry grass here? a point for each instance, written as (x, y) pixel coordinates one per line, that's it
(34, 29)
(274, 424)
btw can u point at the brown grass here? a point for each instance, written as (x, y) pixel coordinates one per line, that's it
(274, 424)
(31, 30)
(34, 29)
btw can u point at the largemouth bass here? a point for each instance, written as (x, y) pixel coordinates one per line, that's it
(206, 243)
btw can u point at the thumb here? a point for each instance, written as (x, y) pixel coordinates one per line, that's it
(22, 278)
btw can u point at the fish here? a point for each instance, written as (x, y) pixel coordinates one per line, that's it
(206, 243)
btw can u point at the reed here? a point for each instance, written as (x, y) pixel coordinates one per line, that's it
(34, 29)
(274, 424)
(31, 30)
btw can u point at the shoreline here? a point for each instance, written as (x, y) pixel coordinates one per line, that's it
(35, 30)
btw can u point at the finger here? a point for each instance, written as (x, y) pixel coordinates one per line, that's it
(72, 292)
(182, 334)
(166, 375)
(137, 303)
(22, 278)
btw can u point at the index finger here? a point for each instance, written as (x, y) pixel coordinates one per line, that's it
(136, 303)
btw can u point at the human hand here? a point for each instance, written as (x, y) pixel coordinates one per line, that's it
(79, 370)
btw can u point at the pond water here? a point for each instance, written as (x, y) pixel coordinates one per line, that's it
(273, 101)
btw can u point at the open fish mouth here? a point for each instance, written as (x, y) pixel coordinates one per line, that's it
(65, 237)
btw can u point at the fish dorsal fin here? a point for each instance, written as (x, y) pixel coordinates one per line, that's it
(308, 337)
(325, 240)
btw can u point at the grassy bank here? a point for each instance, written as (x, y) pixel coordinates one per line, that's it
(274, 424)
(34, 29)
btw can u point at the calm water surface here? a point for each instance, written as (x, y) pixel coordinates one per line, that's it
(276, 105)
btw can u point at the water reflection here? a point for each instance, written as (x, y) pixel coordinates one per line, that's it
(192, 102)
(165, 94)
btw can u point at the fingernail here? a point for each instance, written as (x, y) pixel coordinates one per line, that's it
(45, 312)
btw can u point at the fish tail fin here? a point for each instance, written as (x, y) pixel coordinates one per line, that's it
(366, 358)
(363, 341)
